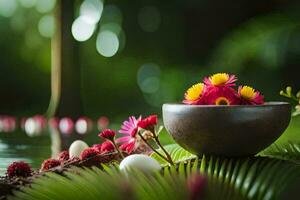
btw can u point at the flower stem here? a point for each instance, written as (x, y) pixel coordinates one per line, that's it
(164, 150)
(117, 148)
(166, 159)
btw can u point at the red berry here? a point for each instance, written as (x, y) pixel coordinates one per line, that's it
(50, 163)
(88, 153)
(63, 156)
(19, 169)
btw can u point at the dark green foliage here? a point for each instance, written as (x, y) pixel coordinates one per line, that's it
(259, 178)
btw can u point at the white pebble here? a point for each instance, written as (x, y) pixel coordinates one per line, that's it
(139, 162)
(77, 147)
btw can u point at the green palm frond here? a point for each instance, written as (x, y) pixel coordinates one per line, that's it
(249, 178)
(177, 153)
(95, 184)
(245, 178)
(288, 151)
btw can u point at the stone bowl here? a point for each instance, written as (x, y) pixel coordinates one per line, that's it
(229, 131)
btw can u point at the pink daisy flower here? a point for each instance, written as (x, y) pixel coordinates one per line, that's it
(129, 130)
(248, 96)
(220, 79)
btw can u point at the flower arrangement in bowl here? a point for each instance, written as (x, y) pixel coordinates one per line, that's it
(215, 118)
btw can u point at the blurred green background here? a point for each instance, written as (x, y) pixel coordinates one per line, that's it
(136, 55)
(164, 48)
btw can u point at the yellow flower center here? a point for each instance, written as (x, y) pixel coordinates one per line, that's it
(194, 92)
(219, 79)
(222, 101)
(247, 92)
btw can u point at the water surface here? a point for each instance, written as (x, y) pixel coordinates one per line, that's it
(17, 146)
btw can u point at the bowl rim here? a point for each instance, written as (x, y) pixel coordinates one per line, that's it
(266, 104)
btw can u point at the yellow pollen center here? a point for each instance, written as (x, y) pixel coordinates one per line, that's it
(222, 101)
(194, 92)
(247, 92)
(219, 79)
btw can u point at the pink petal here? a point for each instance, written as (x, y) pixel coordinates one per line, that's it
(123, 139)
(124, 132)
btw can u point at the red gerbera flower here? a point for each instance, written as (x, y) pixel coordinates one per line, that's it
(97, 147)
(107, 146)
(148, 122)
(221, 96)
(19, 169)
(249, 96)
(50, 163)
(107, 134)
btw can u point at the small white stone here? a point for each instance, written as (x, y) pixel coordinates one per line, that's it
(77, 147)
(139, 162)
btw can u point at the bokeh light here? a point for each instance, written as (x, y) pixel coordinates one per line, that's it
(28, 3)
(92, 10)
(8, 7)
(149, 18)
(7, 124)
(83, 125)
(66, 125)
(44, 6)
(102, 123)
(82, 29)
(32, 127)
(117, 29)
(46, 26)
(107, 43)
(148, 78)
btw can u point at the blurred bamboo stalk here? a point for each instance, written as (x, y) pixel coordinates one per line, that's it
(65, 75)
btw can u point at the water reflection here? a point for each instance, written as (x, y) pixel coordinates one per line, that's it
(36, 139)
(16, 146)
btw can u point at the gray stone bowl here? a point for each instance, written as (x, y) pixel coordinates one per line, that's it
(230, 131)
